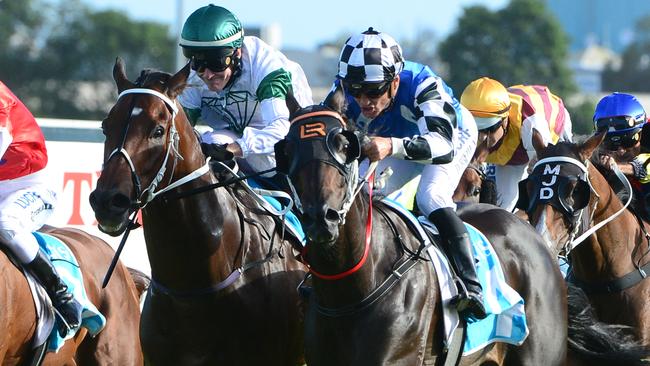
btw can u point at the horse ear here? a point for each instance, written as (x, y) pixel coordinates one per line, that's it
(177, 82)
(119, 75)
(292, 104)
(336, 99)
(587, 148)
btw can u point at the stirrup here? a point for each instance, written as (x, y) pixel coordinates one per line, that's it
(66, 327)
(467, 304)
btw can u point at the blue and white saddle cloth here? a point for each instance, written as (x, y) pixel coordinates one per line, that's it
(68, 269)
(506, 320)
(291, 221)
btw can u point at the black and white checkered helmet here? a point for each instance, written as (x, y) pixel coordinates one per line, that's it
(370, 57)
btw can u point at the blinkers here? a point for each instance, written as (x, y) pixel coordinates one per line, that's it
(567, 193)
(313, 136)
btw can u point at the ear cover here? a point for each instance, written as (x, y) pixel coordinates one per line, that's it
(354, 147)
(281, 158)
(523, 201)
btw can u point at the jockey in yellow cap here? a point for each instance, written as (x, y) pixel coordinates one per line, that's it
(512, 123)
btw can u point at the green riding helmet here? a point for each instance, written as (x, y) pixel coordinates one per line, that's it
(210, 28)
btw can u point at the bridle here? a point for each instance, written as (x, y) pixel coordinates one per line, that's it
(143, 197)
(574, 215)
(320, 132)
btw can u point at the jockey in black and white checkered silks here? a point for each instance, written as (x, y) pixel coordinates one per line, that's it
(422, 132)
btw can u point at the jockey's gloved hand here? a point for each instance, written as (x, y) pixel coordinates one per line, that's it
(217, 152)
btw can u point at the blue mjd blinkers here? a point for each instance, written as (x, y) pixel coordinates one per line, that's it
(568, 193)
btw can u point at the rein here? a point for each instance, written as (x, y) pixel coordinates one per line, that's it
(370, 179)
(151, 194)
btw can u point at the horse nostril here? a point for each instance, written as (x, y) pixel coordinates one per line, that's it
(332, 215)
(92, 198)
(121, 201)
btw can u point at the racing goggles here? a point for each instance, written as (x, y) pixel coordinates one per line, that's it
(494, 127)
(614, 142)
(215, 61)
(374, 90)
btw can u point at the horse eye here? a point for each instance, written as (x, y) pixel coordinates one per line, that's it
(342, 142)
(158, 132)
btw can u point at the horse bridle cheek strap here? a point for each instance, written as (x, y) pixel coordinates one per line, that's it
(149, 193)
(366, 249)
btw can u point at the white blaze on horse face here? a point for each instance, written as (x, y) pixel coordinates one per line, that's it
(541, 228)
(136, 111)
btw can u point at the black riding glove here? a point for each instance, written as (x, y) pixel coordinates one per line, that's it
(217, 152)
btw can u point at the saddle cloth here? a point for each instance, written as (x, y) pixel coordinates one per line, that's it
(68, 269)
(291, 222)
(506, 320)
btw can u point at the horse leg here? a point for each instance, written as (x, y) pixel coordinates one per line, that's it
(119, 342)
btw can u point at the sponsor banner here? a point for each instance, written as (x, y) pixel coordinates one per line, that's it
(76, 167)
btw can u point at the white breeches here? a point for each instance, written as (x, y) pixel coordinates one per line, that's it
(26, 204)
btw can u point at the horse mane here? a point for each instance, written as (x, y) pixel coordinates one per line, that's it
(151, 77)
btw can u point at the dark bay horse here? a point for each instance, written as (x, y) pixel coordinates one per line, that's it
(574, 208)
(117, 344)
(355, 244)
(224, 281)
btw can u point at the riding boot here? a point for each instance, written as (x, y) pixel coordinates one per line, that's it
(457, 246)
(68, 309)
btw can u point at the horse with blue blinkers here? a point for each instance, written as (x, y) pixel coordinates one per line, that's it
(575, 209)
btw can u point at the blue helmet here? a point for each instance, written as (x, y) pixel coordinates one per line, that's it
(622, 116)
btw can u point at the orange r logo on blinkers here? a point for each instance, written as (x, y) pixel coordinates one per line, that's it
(309, 130)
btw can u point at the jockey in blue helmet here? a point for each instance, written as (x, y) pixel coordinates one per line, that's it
(623, 118)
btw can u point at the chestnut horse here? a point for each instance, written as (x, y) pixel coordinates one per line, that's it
(474, 187)
(574, 208)
(117, 344)
(223, 278)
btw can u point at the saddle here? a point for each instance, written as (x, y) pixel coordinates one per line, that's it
(503, 304)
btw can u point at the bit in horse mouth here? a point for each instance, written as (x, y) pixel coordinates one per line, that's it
(112, 230)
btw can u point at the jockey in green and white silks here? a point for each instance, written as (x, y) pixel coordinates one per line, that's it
(238, 86)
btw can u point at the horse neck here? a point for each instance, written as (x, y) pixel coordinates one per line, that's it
(193, 238)
(609, 250)
(346, 253)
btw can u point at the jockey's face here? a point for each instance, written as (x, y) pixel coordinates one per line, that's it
(372, 106)
(217, 80)
(623, 154)
(490, 137)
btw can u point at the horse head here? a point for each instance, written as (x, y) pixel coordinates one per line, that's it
(319, 156)
(559, 190)
(144, 149)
